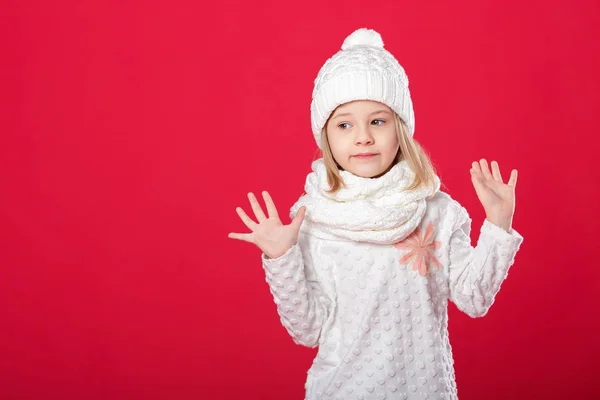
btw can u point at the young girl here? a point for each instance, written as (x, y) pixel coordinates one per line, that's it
(375, 250)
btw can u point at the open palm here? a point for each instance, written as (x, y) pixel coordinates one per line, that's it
(496, 197)
(269, 233)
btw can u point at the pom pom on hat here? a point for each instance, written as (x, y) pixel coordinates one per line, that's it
(363, 37)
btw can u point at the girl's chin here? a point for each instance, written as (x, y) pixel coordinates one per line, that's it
(370, 172)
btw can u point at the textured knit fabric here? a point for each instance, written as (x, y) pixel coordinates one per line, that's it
(361, 70)
(382, 210)
(377, 314)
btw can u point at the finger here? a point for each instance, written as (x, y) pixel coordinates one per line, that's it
(513, 178)
(496, 171)
(476, 167)
(477, 179)
(299, 218)
(271, 209)
(246, 237)
(246, 219)
(476, 171)
(485, 170)
(258, 212)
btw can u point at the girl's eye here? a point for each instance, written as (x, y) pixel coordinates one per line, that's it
(378, 122)
(344, 125)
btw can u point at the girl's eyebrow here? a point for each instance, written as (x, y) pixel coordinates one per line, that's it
(342, 115)
(370, 115)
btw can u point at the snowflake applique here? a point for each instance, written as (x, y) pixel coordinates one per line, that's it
(420, 250)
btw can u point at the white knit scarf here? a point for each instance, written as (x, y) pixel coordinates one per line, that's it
(375, 210)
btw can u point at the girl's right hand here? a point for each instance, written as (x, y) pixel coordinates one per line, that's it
(269, 234)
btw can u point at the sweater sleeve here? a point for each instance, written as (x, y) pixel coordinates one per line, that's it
(476, 273)
(298, 292)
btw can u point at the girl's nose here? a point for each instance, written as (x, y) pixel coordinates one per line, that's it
(364, 136)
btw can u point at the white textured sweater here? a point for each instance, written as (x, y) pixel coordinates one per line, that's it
(379, 317)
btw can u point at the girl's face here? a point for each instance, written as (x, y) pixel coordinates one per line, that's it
(362, 137)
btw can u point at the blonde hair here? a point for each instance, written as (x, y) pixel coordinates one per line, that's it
(409, 150)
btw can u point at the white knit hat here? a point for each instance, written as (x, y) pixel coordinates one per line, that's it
(361, 70)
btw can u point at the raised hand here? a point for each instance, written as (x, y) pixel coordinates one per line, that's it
(269, 234)
(496, 197)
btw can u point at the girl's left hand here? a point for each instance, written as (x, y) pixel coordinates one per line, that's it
(496, 197)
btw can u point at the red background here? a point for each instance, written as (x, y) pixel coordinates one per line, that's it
(131, 130)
